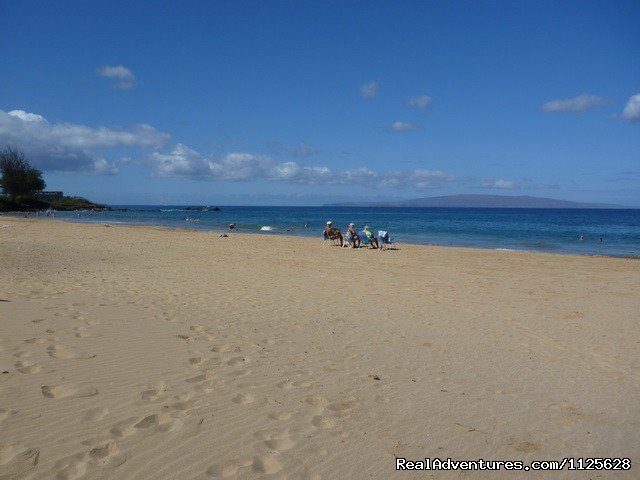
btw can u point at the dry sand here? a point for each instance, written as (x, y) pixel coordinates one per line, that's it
(137, 353)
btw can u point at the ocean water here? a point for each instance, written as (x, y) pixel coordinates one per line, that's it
(539, 230)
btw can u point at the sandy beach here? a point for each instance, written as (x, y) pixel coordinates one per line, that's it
(144, 353)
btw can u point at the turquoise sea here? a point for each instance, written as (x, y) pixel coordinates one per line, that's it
(540, 230)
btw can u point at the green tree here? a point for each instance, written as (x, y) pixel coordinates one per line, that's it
(19, 178)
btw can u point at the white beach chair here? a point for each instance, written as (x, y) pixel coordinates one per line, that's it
(384, 239)
(348, 241)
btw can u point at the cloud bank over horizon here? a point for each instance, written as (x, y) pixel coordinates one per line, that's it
(184, 162)
(67, 147)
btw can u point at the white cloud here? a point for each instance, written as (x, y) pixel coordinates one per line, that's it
(578, 104)
(184, 162)
(102, 166)
(631, 111)
(369, 90)
(26, 116)
(80, 148)
(420, 101)
(399, 126)
(122, 76)
(506, 184)
(70, 147)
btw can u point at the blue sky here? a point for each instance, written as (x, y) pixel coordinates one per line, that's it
(302, 103)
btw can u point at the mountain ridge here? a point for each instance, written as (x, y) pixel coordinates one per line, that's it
(481, 201)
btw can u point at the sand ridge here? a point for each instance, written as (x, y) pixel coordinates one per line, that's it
(136, 352)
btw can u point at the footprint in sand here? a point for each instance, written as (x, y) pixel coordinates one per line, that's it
(125, 428)
(227, 469)
(95, 414)
(282, 415)
(266, 465)
(159, 421)
(184, 403)
(524, 446)
(59, 391)
(197, 361)
(222, 470)
(238, 361)
(342, 408)
(152, 420)
(288, 384)
(317, 401)
(209, 386)
(323, 422)
(240, 373)
(81, 332)
(4, 413)
(221, 348)
(154, 393)
(275, 440)
(50, 391)
(207, 375)
(186, 337)
(27, 367)
(101, 453)
(243, 398)
(62, 353)
(35, 341)
(16, 460)
(71, 468)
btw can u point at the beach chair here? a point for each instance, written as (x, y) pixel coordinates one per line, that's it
(384, 239)
(327, 240)
(364, 239)
(348, 241)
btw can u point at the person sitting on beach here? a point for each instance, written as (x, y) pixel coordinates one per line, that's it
(333, 233)
(353, 237)
(372, 239)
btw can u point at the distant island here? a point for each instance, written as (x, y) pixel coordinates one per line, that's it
(480, 201)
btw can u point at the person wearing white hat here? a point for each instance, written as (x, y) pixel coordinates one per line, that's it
(333, 233)
(353, 236)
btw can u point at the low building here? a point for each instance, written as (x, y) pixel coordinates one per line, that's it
(51, 195)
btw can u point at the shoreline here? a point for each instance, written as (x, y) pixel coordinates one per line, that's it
(289, 235)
